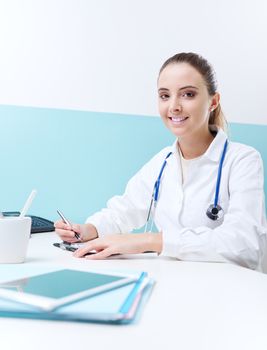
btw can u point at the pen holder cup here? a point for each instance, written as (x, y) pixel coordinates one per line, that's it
(14, 239)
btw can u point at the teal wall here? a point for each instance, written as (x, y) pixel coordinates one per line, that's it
(77, 160)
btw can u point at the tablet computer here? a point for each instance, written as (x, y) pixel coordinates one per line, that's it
(48, 291)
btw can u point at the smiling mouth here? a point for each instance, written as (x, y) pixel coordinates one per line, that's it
(178, 120)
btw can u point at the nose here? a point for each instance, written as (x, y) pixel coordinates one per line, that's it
(175, 105)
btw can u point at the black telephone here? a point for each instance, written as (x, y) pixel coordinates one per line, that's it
(38, 224)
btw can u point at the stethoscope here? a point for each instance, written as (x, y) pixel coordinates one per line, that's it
(214, 211)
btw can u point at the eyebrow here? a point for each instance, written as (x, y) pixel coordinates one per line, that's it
(182, 88)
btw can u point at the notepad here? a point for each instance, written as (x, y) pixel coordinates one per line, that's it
(48, 291)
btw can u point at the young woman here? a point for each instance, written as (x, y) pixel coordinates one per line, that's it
(204, 193)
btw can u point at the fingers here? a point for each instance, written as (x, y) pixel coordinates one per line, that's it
(68, 236)
(102, 250)
(81, 232)
(61, 225)
(103, 254)
(77, 228)
(65, 232)
(85, 249)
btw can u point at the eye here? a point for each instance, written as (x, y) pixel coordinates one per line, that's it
(189, 94)
(164, 97)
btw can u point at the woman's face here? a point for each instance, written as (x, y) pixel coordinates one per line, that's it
(184, 101)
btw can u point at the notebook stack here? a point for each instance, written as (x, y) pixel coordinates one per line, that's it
(72, 295)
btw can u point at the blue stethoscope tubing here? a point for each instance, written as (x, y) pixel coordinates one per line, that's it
(218, 182)
(213, 210)
(155, 194)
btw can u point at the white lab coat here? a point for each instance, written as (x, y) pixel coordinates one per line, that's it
(188, 234)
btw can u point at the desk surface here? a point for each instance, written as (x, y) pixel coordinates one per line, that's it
(199, 306)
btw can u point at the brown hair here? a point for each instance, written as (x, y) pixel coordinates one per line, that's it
(205, 69)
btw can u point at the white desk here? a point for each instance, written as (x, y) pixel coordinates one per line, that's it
(198, 306)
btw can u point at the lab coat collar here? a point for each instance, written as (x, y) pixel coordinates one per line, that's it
(215, 148)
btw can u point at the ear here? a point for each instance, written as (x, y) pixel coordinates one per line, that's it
(215, 100)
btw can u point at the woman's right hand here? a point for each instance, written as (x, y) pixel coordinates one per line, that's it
(66, 232)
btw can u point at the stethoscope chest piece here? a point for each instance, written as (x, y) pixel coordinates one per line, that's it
(215, 212)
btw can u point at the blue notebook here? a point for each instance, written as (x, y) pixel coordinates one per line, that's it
(115, 306)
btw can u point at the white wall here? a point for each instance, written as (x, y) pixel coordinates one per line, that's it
(104, 55)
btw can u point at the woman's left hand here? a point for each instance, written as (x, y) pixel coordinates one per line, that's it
(130, 243)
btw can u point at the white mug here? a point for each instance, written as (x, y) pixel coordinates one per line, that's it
(14, 239)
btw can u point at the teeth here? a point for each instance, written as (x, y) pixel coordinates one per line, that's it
(178, 119)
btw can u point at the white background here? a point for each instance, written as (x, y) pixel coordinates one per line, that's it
(105, 55)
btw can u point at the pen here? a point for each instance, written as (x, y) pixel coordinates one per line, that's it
(68, 223)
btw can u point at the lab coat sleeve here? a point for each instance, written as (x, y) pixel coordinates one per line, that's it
(241, 238)
(129, 211)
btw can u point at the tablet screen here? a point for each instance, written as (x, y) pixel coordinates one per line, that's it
(60, 284)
